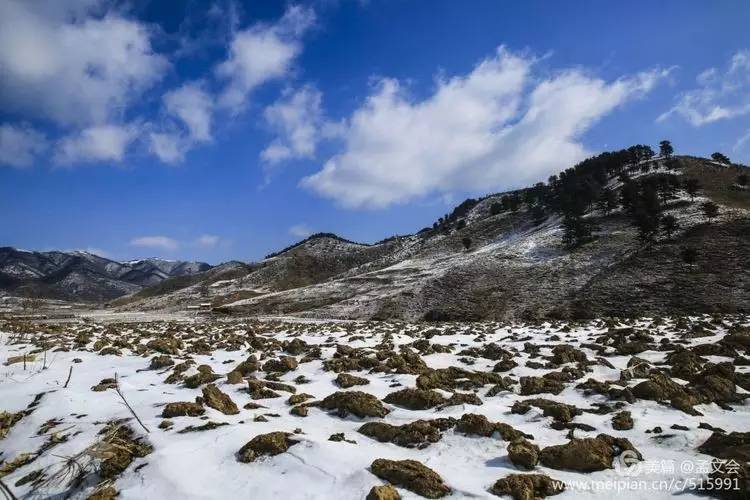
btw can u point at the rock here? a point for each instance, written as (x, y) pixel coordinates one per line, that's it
(247, 367)
(166, 424)
(453, 378)
(527, 486)
(295, 347)
(411, 475)
(417, 434)
(523, 454)
(214, 398)
(269, 444)
(478, 425)
(384, 492)
(104, 384)
(622, 421)
(415, 399)
(159, 362)
(562, 354)
(561, 412)
(258, 390)
(296, 399)
(587, 454)
(462, 398)
(540, 385)
(299, 411)
(344, 380)
(204, 427)
(205, 375)
(166, 345)
(732, 446)
(283, 364)
(279, 386)
(660, 387)
(235, 377)
(504, 366)
(182, 409)
(685, 364)
(357, 403)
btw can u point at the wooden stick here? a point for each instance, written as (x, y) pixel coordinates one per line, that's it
(117, 388)
(70, 372)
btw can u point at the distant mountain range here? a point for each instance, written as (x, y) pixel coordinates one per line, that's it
(82, 276)
(501, 257)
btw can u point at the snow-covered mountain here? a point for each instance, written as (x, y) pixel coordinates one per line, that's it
(82, 276)
(489, 262)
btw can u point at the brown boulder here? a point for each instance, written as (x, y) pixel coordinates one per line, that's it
(540, 385)
(344, 380)
(182, 409)
(383, 492)
(586, 455)
(411, 475)
(269, 444)
(527, 486)
(523, 453)
(415, 399)
(357, 403)
(214, 398)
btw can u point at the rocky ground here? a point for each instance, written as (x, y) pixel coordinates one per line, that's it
(305, 409)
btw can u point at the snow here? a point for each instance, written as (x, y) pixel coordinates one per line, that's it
(203, 464)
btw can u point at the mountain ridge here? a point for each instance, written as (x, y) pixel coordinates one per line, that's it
(83, 276)
(510, 255)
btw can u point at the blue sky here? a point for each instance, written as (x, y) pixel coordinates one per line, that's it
(226, 130)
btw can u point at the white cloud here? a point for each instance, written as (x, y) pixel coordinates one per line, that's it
(495, 127)
(159, 242)
(719, 96)
(66, 62)
(168, 147)
(19, 145)
(97, 143)
(297, 118)
(207, 241)
(261, 53)
(300, 231)
(194, 106)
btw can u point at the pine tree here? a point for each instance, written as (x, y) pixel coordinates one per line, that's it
(710, 210)
(666, 149)
(719, 157)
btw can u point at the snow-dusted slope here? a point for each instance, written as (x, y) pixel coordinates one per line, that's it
(82, 276)
(475, 388)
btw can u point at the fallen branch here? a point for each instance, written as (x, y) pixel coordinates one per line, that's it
(117, 388)
(70, 372)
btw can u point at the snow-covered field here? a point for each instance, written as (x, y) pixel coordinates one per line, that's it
(58, 440)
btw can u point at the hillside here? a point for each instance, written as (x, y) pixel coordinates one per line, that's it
(82, 276)
(516, 265)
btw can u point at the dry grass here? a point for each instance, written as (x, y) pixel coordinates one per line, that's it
(718, 182)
